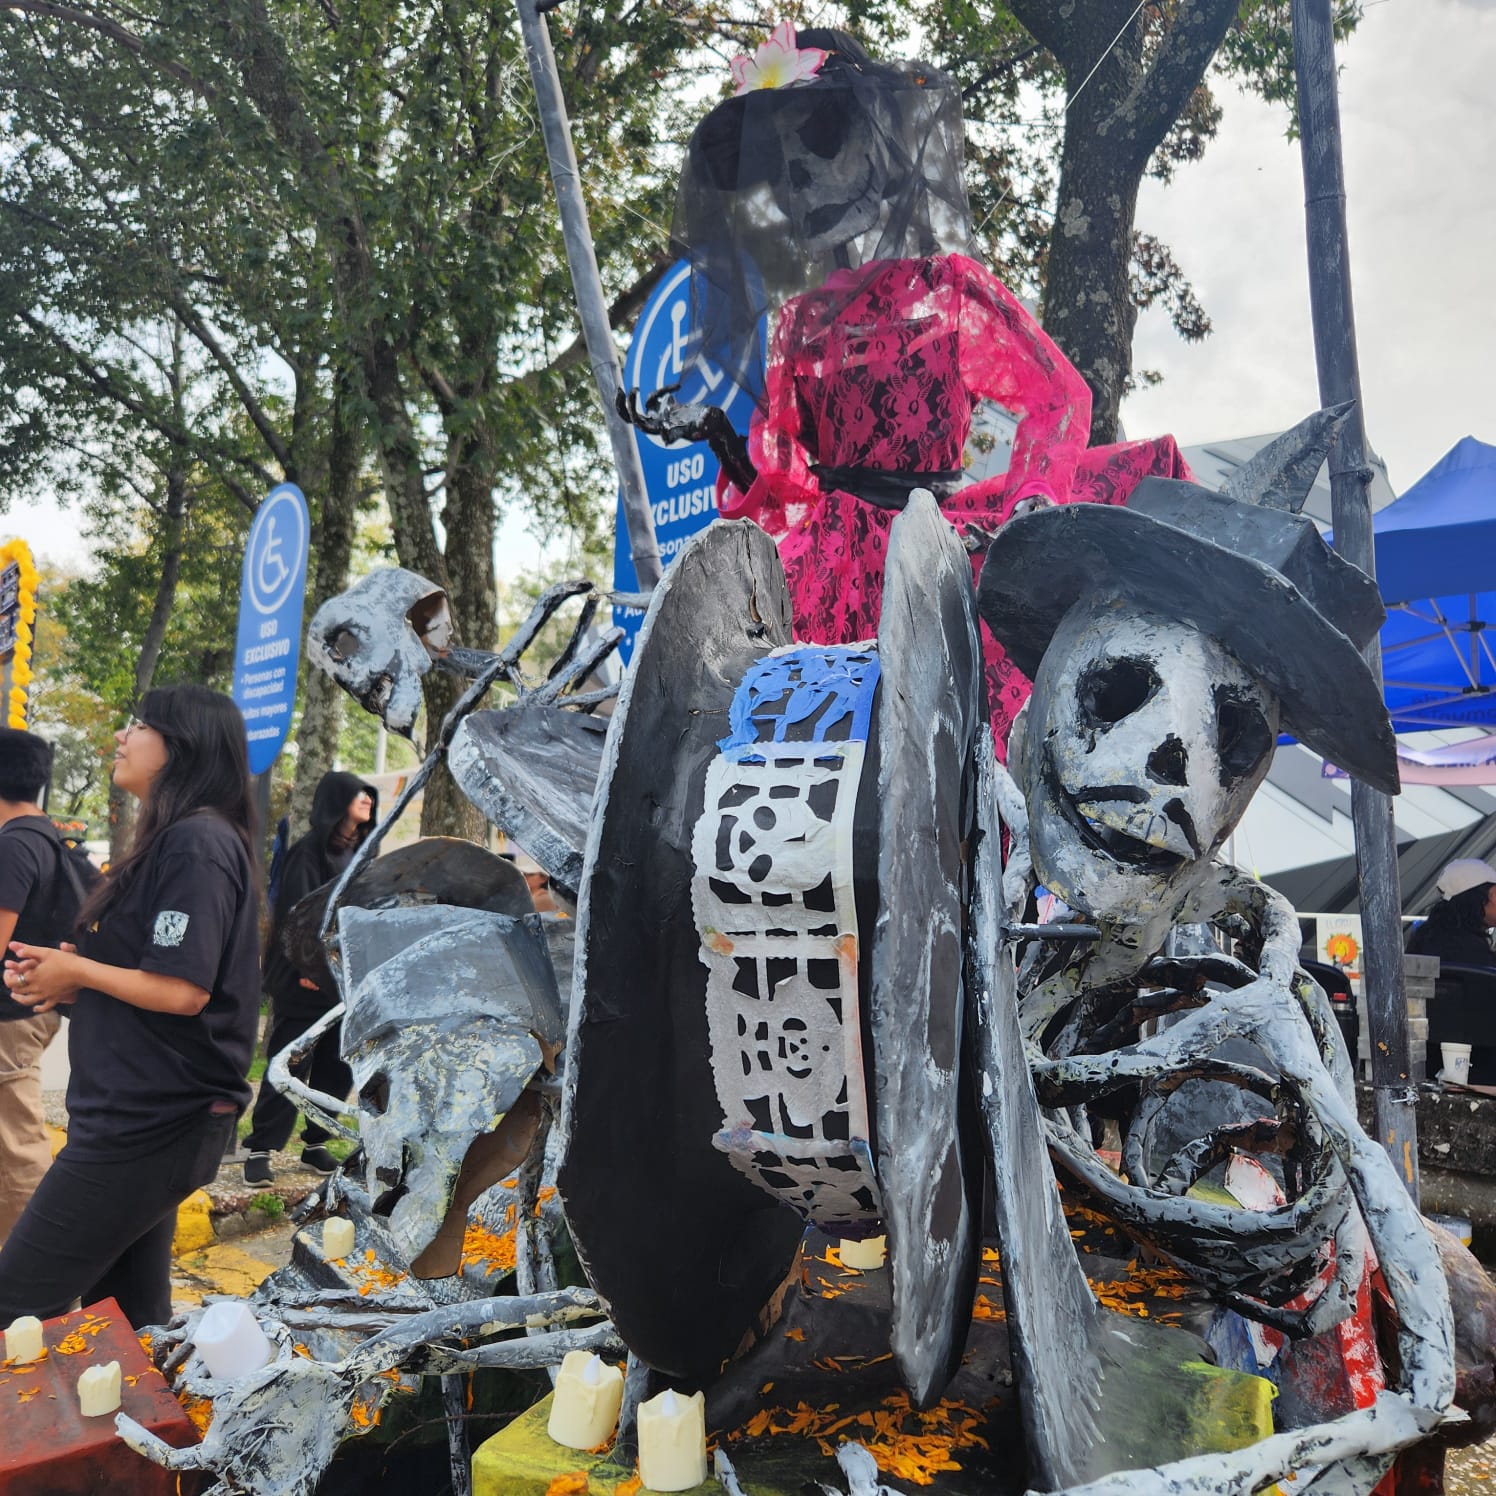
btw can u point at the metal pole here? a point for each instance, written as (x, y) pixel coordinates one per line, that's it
(1396, 1118)
(582, 260)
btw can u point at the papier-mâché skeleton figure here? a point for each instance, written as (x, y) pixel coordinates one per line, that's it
(791, 873)
(1169, 641)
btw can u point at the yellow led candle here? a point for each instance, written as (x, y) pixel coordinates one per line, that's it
(98, 1390)
(589, 1393)
(672, 1442)
(865, 1255)
(337, 1238)
(23, 1339)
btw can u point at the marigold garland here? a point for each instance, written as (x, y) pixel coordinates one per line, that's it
(20, 667)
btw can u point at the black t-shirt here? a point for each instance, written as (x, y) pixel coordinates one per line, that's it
(140, 1078)
(28, 876)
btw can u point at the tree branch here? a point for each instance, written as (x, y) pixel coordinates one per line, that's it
(995, 70)
(105, 384)
(90, 21)
(193, 321)
(1183, 55)
(625, 307)
(1058, 33)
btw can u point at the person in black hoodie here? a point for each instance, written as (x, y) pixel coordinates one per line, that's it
(1458, 927)
(344, 812)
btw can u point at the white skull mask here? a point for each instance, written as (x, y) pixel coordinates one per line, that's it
(1144, 744)
(379, 638)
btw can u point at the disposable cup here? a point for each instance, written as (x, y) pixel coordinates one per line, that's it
(1456, 1063)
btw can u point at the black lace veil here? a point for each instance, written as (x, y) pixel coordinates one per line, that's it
(783, 186)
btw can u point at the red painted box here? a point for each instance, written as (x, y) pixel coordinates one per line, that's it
(48, 1448)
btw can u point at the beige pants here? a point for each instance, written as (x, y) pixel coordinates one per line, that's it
(25, 1147)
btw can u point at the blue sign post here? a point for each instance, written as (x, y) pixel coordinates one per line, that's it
(680, 480)
(267, 650)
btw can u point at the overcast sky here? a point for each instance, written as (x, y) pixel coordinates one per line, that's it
(1420, 169)
(1420, 164)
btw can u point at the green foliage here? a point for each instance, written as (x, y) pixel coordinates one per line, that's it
(74, 719)
(269, 1204)
(107, 617)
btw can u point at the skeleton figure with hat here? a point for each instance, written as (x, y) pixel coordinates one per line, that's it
(1170, 641)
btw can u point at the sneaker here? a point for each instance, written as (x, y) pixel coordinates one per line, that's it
(318, 1158)
(257, 1169)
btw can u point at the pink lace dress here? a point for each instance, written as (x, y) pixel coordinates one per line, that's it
(879, 372)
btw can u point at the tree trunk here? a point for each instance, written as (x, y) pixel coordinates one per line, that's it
(1088, 307)
(1121, 105)
(322, 704)
(445, 810)
(169, 544)
(469, 523)
(173, 530)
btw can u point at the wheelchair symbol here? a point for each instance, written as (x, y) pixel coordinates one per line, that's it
(271, 574)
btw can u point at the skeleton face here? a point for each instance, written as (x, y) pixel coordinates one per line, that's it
(1144, 743)
(379, 638)
(442, 1037)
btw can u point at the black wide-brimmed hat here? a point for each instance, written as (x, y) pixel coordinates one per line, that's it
(772, 906)
(1240, 566)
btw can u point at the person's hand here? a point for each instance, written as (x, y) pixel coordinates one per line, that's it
(42, 978)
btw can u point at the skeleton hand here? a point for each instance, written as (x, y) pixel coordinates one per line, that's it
(660, 416)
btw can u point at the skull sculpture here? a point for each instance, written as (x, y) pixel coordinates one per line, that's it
(1145, 741)
(451, 1014)
(379, 638)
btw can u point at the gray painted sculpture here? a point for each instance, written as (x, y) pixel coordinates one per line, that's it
(1166, 640)
(1169, 641)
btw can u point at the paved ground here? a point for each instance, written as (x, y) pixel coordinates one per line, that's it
(1471, 1472)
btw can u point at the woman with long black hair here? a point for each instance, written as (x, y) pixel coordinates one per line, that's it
(164, 988)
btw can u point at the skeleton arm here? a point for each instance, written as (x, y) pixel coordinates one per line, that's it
(661, 416)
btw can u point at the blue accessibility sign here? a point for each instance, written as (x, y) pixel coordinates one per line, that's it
(681, 479)
(267, 651)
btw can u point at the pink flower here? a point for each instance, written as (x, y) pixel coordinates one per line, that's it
(777, 63)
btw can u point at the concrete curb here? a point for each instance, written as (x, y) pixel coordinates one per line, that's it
(195, 1229)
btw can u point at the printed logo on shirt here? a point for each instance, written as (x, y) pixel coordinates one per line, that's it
(170, 928)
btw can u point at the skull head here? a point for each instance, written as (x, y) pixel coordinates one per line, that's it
(1144, 744)
(443, 1035)
(379, 638)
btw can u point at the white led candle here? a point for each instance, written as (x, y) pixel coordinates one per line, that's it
(584, 1411)
(23, 1339)
(98, 1390)
(230, 1341)
(865, 1255)
(672, 1442)
(337, 1238)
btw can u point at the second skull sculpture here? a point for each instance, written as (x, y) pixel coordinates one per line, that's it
(1144, 742)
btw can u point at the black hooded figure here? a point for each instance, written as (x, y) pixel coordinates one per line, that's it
(344, 811)
(1458, 926)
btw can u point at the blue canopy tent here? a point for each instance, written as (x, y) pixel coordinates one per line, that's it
(1436, 567)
